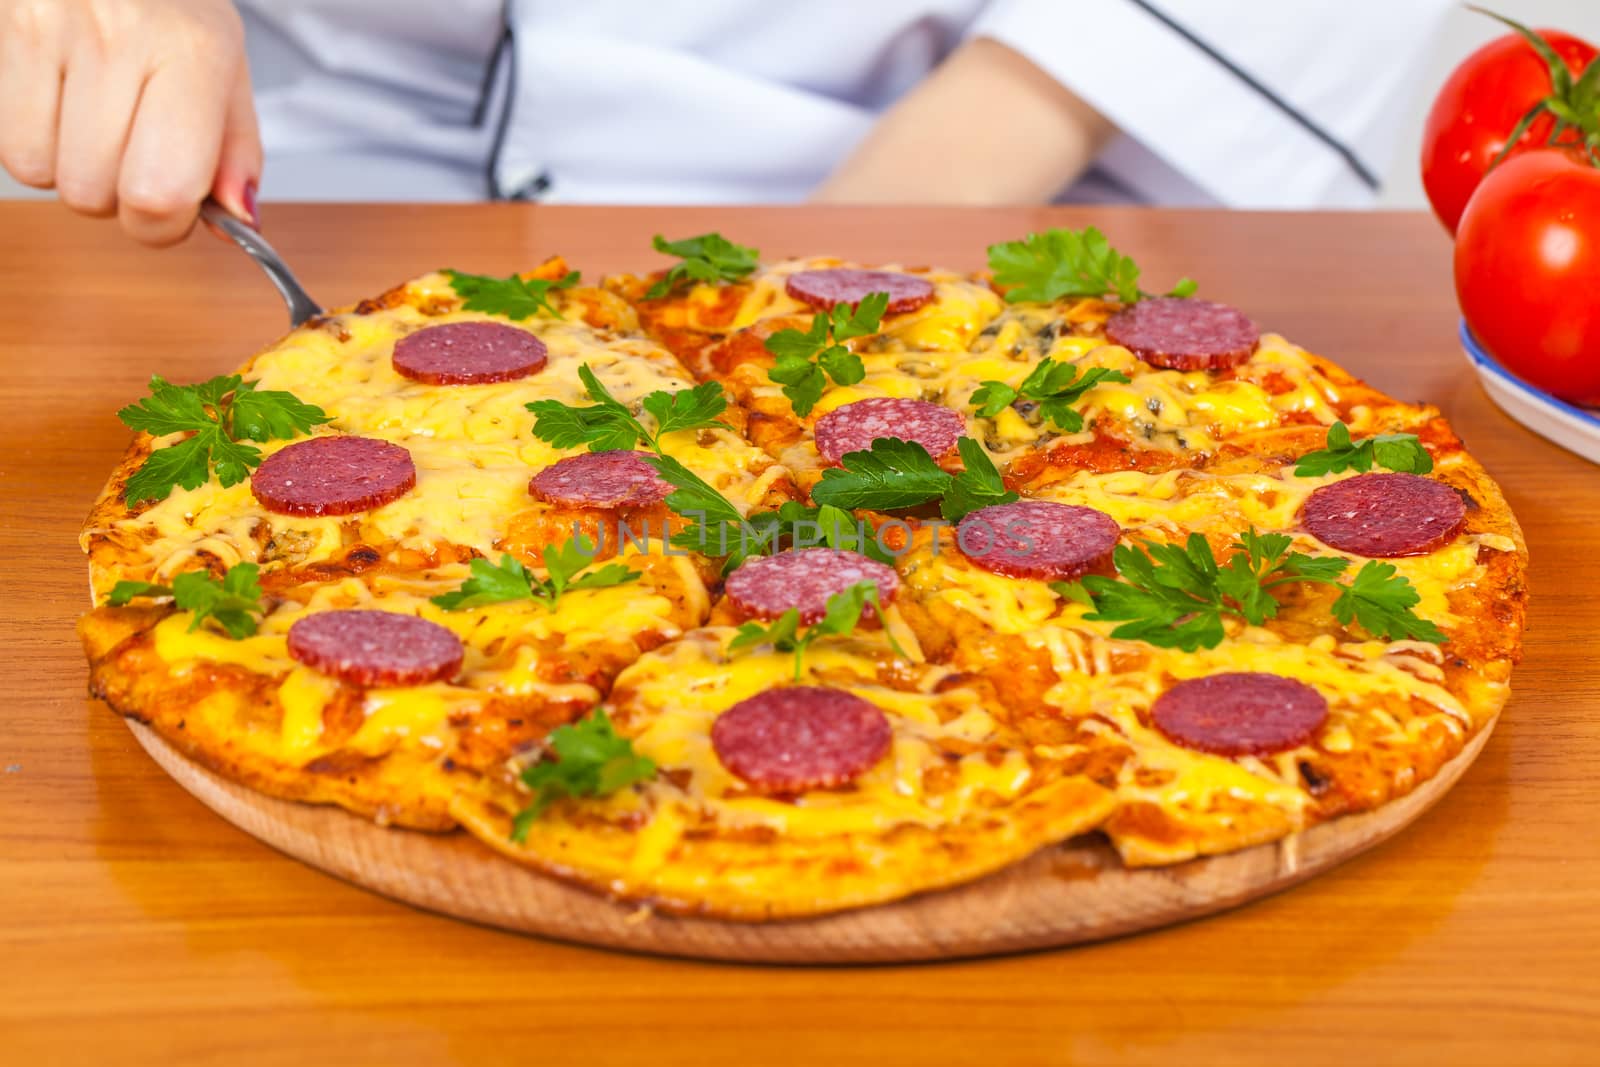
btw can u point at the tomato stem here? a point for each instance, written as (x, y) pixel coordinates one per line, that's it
(1517, 132)
(1574, 106)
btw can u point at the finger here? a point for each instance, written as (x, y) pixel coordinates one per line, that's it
(172, 153)
(98, 98)
(30, 97)
(239, 164)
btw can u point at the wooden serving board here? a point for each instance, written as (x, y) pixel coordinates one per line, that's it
(1075, 892)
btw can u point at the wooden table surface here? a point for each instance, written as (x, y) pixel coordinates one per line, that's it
(137, 927)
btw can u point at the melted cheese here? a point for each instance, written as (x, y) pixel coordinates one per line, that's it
(672, 697)
(1170, 505)
(1397, 684)
(945, 351)
(473, 445)
(950, 321)
(502, 657)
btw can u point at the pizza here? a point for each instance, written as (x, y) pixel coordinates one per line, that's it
(761, 590)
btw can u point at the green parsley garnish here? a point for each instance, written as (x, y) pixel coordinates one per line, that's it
(806, 359)
(798, 526)
(234, 603)
(220, 414)
(609, 424)
(1176, 597)
(1393, 451)
(899, 474)
(716, 528)
(585, 759)
(1059, 263)
(783, 633)
(515, 297)
(1055, 386)
(709, 257)
(510, 580)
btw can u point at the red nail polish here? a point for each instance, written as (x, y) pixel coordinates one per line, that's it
(250, 205)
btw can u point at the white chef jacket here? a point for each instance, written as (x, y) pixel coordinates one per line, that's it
(1244, 103)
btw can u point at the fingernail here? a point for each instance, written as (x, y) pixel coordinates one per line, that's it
(250, 205)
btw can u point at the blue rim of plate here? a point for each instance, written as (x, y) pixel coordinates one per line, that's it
(1487, 364)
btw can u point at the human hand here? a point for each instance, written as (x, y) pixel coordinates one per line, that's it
(130, 108)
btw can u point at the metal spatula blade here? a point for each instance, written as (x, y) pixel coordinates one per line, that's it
(301, 306)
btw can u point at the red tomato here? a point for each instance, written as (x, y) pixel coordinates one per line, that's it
(1528, 271)
(1477, 109)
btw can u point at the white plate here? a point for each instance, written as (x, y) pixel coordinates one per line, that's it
(1573, 428)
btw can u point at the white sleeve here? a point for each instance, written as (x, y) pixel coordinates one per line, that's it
(1259, 103)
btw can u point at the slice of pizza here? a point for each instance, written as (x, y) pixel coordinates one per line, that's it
(1161, 384)
(797, 340)
(423, 449)
(382, 693)
(379, 467)
(761, 789)
(1357, 629)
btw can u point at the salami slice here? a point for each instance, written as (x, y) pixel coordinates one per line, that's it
(853, 427)
(767, 586)
(1240, 714)
(336, 475)
(375, 647)
(1385, 515)
(612, 479)
(1038, 539)
(1181, 333)
(800, 738)
(468, 353)
(825, 288)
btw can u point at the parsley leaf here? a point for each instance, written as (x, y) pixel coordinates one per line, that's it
(509, 580)
(798, 526)
(605, 426)
(1061, 263)
(686, 409)
(220, 414)
(270, 415)
(978, 486)
(1055, 386)
(515, 297)
(806, 359)
(232, 603)
(586, 759)
(897, 474)
(783, 633)
(609, 424)
(1176, 596)
(187, 463)
(1381, 601)
(1392, 451)
(177, 408)
(894, 474)
(716, 528)
(490, 584)
(709, 257)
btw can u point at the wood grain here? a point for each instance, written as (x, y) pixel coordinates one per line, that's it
(136, 926)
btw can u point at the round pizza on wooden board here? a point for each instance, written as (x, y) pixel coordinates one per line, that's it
(750, 592)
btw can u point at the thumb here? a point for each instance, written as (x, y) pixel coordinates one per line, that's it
(239, 165)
